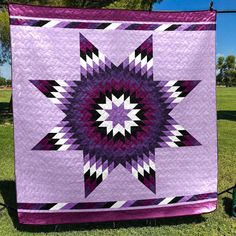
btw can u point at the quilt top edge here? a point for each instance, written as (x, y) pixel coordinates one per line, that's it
(110, 14)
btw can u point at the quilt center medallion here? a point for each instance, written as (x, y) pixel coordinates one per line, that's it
(118, 114)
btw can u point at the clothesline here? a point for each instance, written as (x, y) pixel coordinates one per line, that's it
(226, 11)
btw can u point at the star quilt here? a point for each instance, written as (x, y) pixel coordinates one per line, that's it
(114, 114)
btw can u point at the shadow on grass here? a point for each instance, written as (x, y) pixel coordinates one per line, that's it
(5, 113)
(7, 189)
(226, 115)
(227, 203)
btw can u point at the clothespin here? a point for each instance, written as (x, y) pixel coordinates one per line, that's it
(211, 5)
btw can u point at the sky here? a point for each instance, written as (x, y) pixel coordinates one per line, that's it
(226, 24)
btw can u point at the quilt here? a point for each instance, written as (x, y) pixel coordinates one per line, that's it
(114, 114)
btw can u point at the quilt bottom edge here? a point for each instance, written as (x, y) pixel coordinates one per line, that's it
(31, 218)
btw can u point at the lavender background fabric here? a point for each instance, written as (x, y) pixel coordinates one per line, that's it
(53, 176)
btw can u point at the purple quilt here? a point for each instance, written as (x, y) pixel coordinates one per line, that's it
(114, 114)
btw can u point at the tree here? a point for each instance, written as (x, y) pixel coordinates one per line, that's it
(227, 71)
(4, 37)
(2, 81)
(230, 62)
(221, 68)
(8, 83)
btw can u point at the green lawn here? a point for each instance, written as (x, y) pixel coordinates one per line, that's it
(219, 222)
(5, 115)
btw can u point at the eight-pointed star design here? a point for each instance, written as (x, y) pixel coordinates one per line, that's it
(116, 115)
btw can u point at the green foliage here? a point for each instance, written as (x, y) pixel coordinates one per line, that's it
(4, 37)
(4, 82)
(220, 63)
(8, 82)
(227, 71)
(230, 62)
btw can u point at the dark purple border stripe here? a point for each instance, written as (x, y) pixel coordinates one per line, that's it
(114, 15)
(117, 204)
(173, 27)
(103, 26)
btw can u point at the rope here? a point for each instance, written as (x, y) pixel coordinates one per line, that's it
(5, 206)
(227, 190)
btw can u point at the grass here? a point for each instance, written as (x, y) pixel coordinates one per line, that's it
(219, 222)
(5, 113)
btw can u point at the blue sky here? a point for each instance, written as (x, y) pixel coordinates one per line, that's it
(226, 24)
